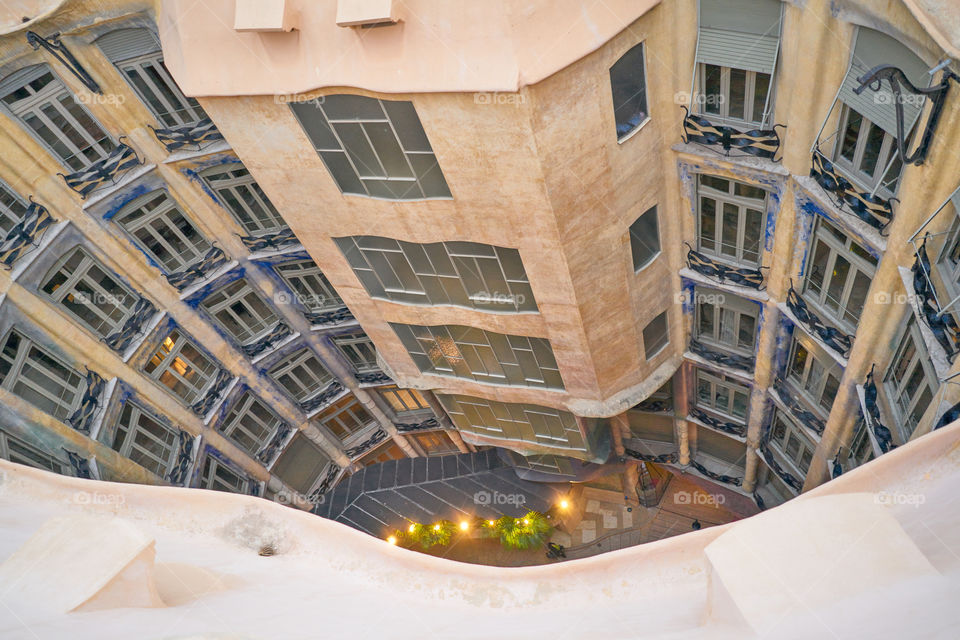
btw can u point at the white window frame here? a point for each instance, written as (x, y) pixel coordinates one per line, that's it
(726, 313)
(743, 205)
(169, 363)
(347, 414)
(792, 431)
(210, 477)
(887, 159)
(134, 429)
(359, 350)
(901, 402)
(239, 193)
(188, 111)
(811, 388)
(639, 244)
(292, 366)
(29, 358)
(136, 219)
(310, 285)
(31, 456)
(445, 447)
(702, 100)
(721, 384)
(243, 422)
(13, 208)
(222, 306)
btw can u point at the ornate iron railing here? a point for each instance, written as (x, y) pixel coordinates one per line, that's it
(270, 241)
(809, 419)
(102, 171)
(717, 477)
(61, 53)
(726, 359)
(89, 403)
(950, 415)
(79, 464)
(760, 503)
(25, 234)
(872, 209)
(204, 404)
(373, 377)
(198, 134)
(775, 466)
(316, 496)
(120, 339)
(761, 143)
(333, 390)
(408, 427)
(210, 262)
(727, 427)
(654, 405)
(743, 276)
(834, 338)
(378, 436)
(178, 474)
(334, 316)
(278, 334)
(880, 432)
(663, 458)
(943, 325)
(267, 454)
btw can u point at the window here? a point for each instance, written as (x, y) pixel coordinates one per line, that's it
(656, 335)
(792, 443)
(160, 230)
(815, 374)
(514, 421)
(182, 368)
(358, 349)
(403, 400)
(436, 443)
(310, 286)
(218, 476)
(87, 290)
(737, 49)
(839, 275)
(731, 219)
(868, 153)
(240, 311)
(301, 374)
(240, 194)
(301, 464)
(51, 113)
(910, 380)
(136, 54)
(629, 85)
(250, 424)
(12, 209)
(385, 452)
(733, 94)
(861, 448)
(143, 439)
(464, 274)
(948, 261)
(483, 356)
(722, 395)
(645, 239)
(732, 453)
(345, 417)
(16, 450)
(373, 147)
(726, 321)
(34, 374)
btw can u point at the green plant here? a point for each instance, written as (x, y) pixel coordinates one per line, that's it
(528, 532)
(429, 535)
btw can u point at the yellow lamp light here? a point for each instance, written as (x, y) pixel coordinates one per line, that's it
(564, 504)
(464, 526)
(412, 528)
(392, 540)
(436, 527)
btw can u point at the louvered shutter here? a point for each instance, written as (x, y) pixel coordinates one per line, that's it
(124, 44)
(740, 34)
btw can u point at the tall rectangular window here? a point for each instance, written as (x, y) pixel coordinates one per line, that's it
(311, 287)
(628, 83)
(12, 208)
(373, 147)
(730, 219)
(514, 421)
(911, 380)
(301, 464)
(948, 260)
(403, 400)
(16, 450)
(182, 367)
(145, 440)
(792, 443)
(240, 194)
(436, 443)
(722, 395)
(240, 311)
(136, 54)
(250, 424)
(464, 274)
(645, 238)
(90, 293)
(383, 453)
(301, 374)
(483, 356)
(358, 349)
(733, 94)
(726, 321)
(656, 336)
(815, 375)
(218, 476)
(163, 232)
(867, 152)
(345, 417)
(51, 113)
(34, 374)
(839, 273)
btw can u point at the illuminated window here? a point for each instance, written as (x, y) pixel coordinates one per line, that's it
(180, 366)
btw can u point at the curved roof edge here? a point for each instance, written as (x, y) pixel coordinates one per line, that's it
(941, 19)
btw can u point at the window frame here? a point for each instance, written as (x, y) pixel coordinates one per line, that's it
(13, 208)
(133, 217)
(294, 360)
(399, 405)
(268, 221)
(626, 135)
(230, 297)
(125, 439)
(852, 167)
(343, 431)
(352, 346)
(14, 376)
(894, 390)
(302, 284)
(717, 382)
(236, 420)
(648, 353)
(743, 204)
(735, 305)
(703, 99)
(174, 352)
(208, 477)
(816, 357)
(792, 430)
(635, 248)
(43, 459)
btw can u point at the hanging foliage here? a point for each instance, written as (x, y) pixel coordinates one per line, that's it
(428, 535)
(529, 532)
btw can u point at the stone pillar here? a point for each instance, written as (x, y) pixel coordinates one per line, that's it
(681, 380)
(619, 429)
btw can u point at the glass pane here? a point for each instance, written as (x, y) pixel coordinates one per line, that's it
(738, 92)
(850, 135)
(751, 236)
(857, 298)
(838, 280)
(747, 331)
(871, 150)
(708, 224)
(818, 268)
(731, 223)
(629, 91)
(706, 320)
(712, 98)
(739, 404)
(761, 86)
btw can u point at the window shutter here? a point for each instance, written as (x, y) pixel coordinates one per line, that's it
(741, 34)
(124, 44)
(21, 77)
(874, 48)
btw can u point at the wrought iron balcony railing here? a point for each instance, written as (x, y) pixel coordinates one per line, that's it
(716, 477)
(198, 134)
(778, 469)
(275, 336)
(743, 276)
(734, 361)
(101, 172)
(79, 464)
(373, 377)
(809, 419)
(25, 234)
(272, 448)
(89, 403)
(834, 338)
(871, 208)
(270, 241)
(943, 325)
(408, 427)
(334, 316)
(178, 474)
(880, 432)
(727, 427)
(220, 383)
(210, 262)
(325, 485)
(378, 436)
(333, 390)
(663, 458)
(133, 326)
(655, 405)
(760, 143)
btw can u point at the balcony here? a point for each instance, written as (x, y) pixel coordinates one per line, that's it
(795, 405)
(759, 143)
(25, 234)
(869, 207)
(109, 170)
(183, 279)
(742, 276)
(714, 356)
(270, 241)
(833, 338)
(198, 135)
(271, 339)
